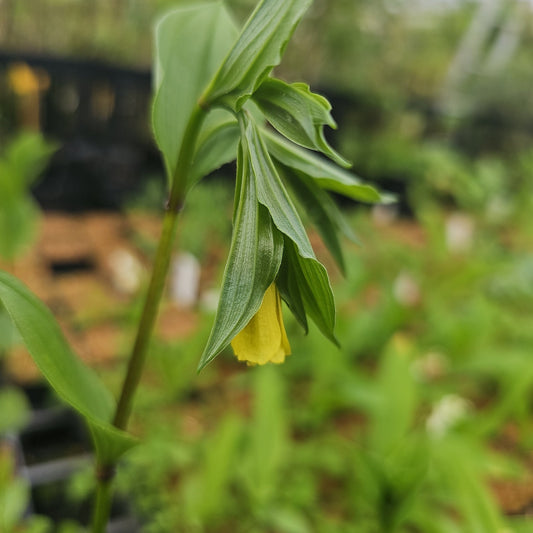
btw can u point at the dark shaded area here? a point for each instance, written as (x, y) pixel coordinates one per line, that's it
(59, 268)
(100, 116)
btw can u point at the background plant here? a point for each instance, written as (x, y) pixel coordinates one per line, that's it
(269, 242)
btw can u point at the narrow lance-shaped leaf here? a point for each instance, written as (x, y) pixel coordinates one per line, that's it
(270, 190)
(75, 383)
(191, 42)
(323, 213)
(315, 290)
(314, 286)
(253, 263)
(327, 175)
(290, 292)
(258, 49)
(298, 114)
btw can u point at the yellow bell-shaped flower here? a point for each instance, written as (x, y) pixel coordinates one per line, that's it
(263, 339)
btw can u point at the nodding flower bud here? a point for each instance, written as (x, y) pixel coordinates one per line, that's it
(263, 340)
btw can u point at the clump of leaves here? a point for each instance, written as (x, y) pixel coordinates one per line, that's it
(22, 161)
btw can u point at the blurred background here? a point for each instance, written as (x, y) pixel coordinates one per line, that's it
(421, 421)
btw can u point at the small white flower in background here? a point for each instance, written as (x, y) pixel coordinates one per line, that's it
(450, 410)
(384, 214)
(406, 290)
(126, 271)
(185, 280)
(431, 366)
(459, 233)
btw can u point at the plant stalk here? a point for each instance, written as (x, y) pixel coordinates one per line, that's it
(102, 506)
(105, 473)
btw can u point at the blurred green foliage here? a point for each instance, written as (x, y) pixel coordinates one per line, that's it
(404, 429)
(428, 402)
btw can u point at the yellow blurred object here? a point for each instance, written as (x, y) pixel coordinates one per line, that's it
(27, 84)
(25, 80)
(264, 340)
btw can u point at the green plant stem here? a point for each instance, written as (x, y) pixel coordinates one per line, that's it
(102, 506)
(147, 321)
(105, 473)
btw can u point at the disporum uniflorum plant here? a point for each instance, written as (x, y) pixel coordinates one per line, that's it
(216, 101)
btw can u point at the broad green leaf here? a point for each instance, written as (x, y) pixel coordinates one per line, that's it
(323, 212)
(191, 42)
(75, 383)
(327, 175)
(298, 114)
(313, 285)
(216, 146)
(253, 263)
(218, 141)
(258, 49)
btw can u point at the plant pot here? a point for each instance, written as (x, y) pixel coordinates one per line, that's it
(52, 447)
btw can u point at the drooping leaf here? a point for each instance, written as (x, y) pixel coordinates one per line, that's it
(315, 289)
(75, 383)
(298, 114)
(290, 292)
(324, 214)
(311, 276)
(327, 175)
(253, 263)
(191, 41)
(258, 49)
(270, 190)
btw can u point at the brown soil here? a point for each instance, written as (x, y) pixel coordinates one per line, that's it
(69, 268)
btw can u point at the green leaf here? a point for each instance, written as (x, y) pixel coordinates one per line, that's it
(15, 409)
(313, 285)
(23, 160)
(75, 383)
(253, 263)
(18, 224)
(311, 277)
(298, 114)
(258, 49)
(270, 190)
(27, 156)
(288, 287)
(327, 175)
(191, 42)
(216, 146)
(323, 212)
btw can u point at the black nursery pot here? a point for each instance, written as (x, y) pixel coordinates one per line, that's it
(53, 447)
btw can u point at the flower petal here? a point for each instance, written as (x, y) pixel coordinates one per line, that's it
(264, 339)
